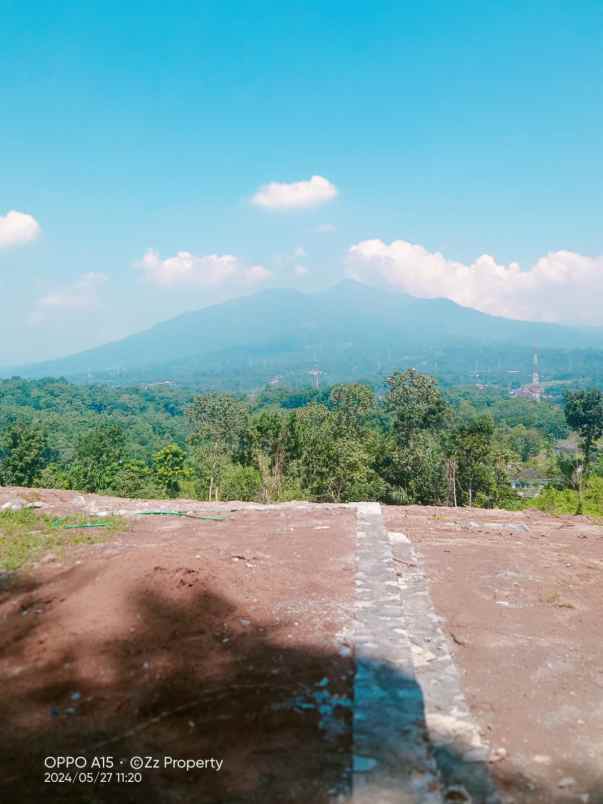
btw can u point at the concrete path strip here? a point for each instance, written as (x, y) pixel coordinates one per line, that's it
(415, 741)
(460, 752)
(392, 760)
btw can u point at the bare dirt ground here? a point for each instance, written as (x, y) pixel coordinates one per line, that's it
(187, 638)
(233, 640)
(521, 595)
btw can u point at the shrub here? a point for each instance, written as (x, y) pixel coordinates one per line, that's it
(240, 483)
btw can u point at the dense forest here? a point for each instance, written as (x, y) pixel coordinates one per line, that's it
(407, 442)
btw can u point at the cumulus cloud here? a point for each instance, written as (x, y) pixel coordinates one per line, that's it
(562, 286)
(17, 228)
(295, 195)
(213, 270)
(256, 273)
(81, 296)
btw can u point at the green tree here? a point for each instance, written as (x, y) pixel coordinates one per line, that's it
(331, 465)
(524, 441)
(416, 403)
(584, 414)
(352, 403)
(240, 482)
(566, 471)
(470, 445)
(53, 476)
(24, 453)
(268, 449)
(220, 423)
(504, 465)
(132, 478)
(413, 463)
(169, 465)
(414, 470)
(544, 417)
(97, 457)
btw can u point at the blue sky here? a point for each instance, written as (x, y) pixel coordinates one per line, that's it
(445, 131)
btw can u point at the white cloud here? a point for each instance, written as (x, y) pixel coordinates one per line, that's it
(82, 296)
(296, 195)
(561, 287)
(213, 270)
(256, 273)
(326, 228)
(17, 228)
(290, 257)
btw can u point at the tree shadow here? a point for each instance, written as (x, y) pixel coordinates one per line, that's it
(197, 679)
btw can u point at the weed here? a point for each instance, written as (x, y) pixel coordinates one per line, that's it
(25, 535)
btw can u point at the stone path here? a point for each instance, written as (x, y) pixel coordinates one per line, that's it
(414, 738)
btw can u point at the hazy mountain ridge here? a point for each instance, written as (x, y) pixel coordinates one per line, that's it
(349, 330)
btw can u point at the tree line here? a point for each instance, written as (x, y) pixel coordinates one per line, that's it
(414, 443)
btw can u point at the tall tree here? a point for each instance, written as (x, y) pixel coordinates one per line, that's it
(332, 466)
(24, 453)
(584, 414)
(268, 448)
(352, 404)
(220, 423)
(414, 463)
(97, 457)
(169, 468)
(469, 445)
(416, 403)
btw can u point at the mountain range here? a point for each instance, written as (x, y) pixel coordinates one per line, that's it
(349, 331)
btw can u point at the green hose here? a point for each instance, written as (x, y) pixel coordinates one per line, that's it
(86, 525)
(181, 513)
(60, 523)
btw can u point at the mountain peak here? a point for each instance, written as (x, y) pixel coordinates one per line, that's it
(349, 284)
(350, 329)
(351, 289)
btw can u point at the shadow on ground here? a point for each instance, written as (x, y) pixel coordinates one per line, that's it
(182, 684)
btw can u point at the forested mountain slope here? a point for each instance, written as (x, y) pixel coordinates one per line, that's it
(350, 331)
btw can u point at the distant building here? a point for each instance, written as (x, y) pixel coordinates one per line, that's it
(535, 389)
(155, 384)
(529, 483)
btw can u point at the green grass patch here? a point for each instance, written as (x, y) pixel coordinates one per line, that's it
(565, 501)
(27, 535)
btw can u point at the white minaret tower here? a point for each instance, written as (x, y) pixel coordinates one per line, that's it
(535, 371)
(316, 377)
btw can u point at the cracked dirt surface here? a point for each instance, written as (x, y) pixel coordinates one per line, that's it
(521, 596)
